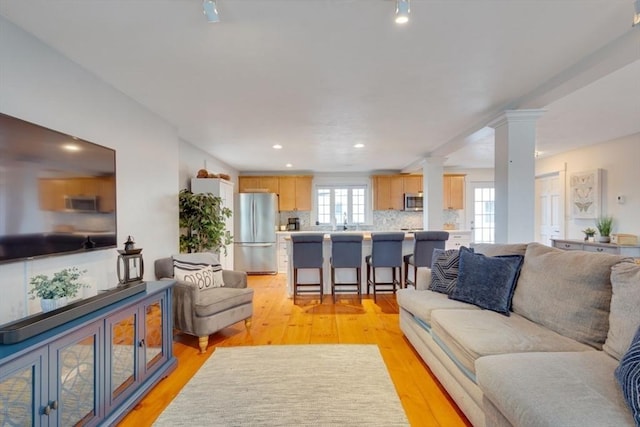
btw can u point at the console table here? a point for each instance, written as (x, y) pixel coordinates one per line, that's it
(581, 245)
(92, 369)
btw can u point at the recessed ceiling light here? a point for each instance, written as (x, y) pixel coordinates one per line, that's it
(289, 165)
(277, 147)
(358, 146)
(71, 147)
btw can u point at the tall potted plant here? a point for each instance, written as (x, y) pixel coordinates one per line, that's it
(604, 225)
(202, 222)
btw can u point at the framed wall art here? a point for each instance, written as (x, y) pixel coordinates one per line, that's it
(585, 194)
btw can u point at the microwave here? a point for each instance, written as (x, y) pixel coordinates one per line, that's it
(81, 203)
(413, 201)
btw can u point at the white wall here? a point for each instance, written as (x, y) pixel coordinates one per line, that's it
(40, 85)
(193, 159)
(620, 161)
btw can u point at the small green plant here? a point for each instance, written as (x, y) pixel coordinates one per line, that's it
(589, 232)
(603, 224)
(63, 284)
(202, 222)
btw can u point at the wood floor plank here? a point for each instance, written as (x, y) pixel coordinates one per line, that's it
(277, 321)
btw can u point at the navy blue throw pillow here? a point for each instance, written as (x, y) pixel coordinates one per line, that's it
(628, 375)
(487, 282)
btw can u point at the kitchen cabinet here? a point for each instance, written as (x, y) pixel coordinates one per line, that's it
(283, 259)
(388, 192)
(52, 192)
(223, 189)
(458, 239)
(453, 191)
(412, 183)
(295, 193)
(252, 184)
(94, 368)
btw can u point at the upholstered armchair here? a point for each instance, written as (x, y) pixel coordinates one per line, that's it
(206, 298)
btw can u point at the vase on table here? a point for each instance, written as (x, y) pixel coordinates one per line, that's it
(52, 304)
(604, 239)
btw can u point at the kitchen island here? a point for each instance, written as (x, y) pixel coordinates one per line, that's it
(343, 275)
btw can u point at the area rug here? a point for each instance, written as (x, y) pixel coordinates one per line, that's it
(289, 385)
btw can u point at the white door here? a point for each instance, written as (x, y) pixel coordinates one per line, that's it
(549, 208)
(483, 216)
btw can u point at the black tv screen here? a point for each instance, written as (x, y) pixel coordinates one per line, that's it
(57, 192)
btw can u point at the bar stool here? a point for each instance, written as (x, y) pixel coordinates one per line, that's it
(307, 253)
(424, 244)
(386, 252)
(346, 252)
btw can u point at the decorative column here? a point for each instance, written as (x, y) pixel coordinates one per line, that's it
(515, 139)
(432, 171)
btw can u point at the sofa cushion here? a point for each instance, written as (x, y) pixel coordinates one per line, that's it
(421, 303)
(200, 276)
(567, 291)
(628, 375)
(219, 299)
(444, 270)
(495, 249)
(487, 282)
(554, 389)
(624, 318)
(469, 334)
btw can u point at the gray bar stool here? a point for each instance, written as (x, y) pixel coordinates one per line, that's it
(346, 252)
(424, 244)
(386, 252)
(307, 253)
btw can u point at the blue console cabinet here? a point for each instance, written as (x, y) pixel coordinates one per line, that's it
(93, 369)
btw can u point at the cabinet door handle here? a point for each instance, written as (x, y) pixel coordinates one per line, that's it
(141, 344)
(46, 410)
(51, 406)
(54, 405)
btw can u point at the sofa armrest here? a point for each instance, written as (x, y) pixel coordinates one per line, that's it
(184, 297)
(234, 279)
(424, 279)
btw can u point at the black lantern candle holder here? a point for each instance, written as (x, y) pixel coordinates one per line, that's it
(130, 263)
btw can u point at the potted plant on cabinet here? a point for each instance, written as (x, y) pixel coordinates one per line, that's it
(604, 225)
(54, 292)
(202, 222)
(589, 234)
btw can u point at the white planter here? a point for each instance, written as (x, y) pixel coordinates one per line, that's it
(604, 239)
(52, 304)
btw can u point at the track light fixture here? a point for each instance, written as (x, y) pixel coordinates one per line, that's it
(210, 11)
(402, 11)
(636, 15)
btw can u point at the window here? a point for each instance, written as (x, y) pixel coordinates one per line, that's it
(340, 204)
(483, 213)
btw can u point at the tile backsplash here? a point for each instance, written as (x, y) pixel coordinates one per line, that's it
(382, 221)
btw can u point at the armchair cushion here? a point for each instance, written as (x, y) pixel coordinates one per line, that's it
(202, 269)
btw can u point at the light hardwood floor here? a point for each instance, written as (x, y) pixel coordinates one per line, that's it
(277, 321)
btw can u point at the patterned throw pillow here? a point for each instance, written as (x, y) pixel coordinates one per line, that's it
(204, 276)
(628, 375)
(444, 270)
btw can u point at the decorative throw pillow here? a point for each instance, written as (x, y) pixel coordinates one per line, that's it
(628, 375)
(203, 275)
(487, 282)
(444, 270)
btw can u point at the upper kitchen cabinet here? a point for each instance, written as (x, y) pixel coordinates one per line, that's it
(412, 183)
(453, 191)
(252, 184)
(295, 193)
(388, 192)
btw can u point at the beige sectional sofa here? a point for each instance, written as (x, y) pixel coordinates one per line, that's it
(550, 362)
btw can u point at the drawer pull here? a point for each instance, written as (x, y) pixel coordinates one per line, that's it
(566, 245)
(599, 249)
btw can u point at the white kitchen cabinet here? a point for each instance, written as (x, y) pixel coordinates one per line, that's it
(458, 239)
(223, 189)
(283, 260)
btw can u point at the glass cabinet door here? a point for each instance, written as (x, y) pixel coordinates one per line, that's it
(21, 390)
(121, 354)
(74, 391)
(154, 340)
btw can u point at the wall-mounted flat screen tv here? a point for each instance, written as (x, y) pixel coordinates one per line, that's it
(57, 192)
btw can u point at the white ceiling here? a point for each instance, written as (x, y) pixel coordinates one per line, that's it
(318, 76)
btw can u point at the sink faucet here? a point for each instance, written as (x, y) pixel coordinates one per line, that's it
(344, 227)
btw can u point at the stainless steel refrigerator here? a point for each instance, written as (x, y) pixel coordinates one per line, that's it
(255, 249)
